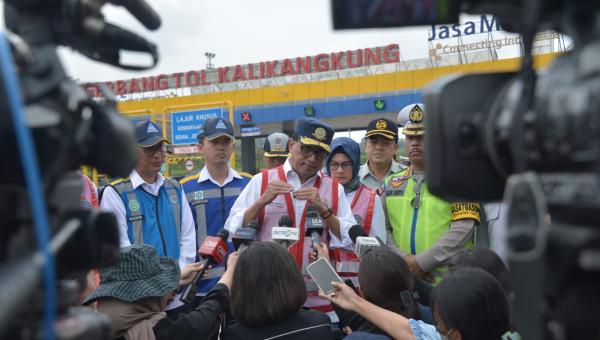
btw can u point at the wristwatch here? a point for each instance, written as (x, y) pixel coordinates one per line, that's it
(327, 214)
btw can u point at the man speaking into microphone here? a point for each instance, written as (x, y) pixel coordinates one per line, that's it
(289, 189)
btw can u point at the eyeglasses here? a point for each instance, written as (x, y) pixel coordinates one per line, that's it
(308, 151)
(151, 151)
(416, 201)
(343, 165)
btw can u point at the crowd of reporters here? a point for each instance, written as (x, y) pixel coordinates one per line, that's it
(264, 291)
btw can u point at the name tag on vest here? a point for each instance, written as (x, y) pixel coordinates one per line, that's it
(199, 201)
(135, 218)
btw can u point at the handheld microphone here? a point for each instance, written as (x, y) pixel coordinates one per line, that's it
(243, 236)
(213, 251)
(285, 233)
(363, 243)
(314, 225)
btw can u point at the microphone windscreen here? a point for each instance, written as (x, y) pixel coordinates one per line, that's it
(285, 221)
(356, 231)
(223, 233)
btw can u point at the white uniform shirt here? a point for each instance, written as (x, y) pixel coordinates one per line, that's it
(111, 201)
(251, 194)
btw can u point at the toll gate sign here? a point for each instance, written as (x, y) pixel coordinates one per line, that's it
(186, 124)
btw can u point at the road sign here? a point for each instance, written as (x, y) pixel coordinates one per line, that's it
(189, 165)
(249, 131)
(185, 124)
(379, 104)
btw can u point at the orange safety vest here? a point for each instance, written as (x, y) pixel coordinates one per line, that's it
(283, 205)
(363, 205)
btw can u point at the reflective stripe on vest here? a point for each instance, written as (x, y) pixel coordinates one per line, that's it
(136, 223)
(200, 209)
(363, 203)
(173, 190)
(136, 219)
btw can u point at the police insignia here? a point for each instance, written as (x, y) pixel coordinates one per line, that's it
(416, 114)
(397, 182)
(134, 205)
(358, 219)
(381, 125)
(465, 210)
(198, 195)
(320, 133)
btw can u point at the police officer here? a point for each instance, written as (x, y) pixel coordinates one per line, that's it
(149, 207)
(381, 145)
(343, 163)
(276, 149)
(212, 191)
(427, 230)
(288, 190)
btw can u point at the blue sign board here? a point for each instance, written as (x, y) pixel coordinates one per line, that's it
(186, 124)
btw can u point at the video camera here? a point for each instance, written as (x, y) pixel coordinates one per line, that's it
(532, 139)
(50, 127)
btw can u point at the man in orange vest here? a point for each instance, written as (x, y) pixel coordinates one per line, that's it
(343, 163)
(289, 190)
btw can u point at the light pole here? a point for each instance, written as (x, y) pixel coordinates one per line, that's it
(209, 56)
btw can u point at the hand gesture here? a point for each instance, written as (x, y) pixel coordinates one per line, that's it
(321, 250)
(274, 189)
(343, 296)
(312, 196)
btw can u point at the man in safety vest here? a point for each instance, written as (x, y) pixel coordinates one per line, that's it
(150, 208)
(289, 190)
(212, 191)
(343, 163)
(276, 149)
(427, 230)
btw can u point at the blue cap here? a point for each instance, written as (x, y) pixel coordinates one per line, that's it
(311, 131)
(148, 134)
(215, 127)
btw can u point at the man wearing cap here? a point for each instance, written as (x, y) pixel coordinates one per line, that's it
(276, 149)
(212, 191)
(427, 230)
(381, 144)
(149, 207)
(289, 189)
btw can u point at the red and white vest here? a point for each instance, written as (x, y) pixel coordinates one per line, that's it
(363, 205)
(283, 205)
(89, 199)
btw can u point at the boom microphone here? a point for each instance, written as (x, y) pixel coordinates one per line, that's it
(213, 251)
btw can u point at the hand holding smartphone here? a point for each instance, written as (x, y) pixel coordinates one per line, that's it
(323, 274)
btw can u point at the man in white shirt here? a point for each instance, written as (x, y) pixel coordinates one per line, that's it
(289, 189)
(150, 208)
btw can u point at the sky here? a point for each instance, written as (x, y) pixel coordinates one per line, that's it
(240, 32)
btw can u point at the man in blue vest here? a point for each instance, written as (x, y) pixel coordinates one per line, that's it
(150, 208)
(212, 191)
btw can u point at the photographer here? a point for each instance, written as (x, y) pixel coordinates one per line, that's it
(134, 297)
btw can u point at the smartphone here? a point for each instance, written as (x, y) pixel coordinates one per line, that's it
(323, 274)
